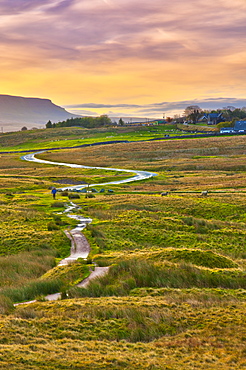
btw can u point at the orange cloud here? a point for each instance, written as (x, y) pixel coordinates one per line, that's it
(109, 51)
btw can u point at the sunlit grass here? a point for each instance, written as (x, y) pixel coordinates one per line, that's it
(196, 331)
(71, 137)
(175, 291)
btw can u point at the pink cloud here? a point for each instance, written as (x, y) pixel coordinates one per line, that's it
(180, 42)
(83, 30)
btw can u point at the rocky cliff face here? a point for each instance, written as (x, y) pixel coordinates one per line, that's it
(16, 111)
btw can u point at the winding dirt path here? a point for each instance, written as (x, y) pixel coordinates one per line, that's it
(98, 272)
(80, 247)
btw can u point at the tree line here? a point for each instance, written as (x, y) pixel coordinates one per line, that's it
(86, 122)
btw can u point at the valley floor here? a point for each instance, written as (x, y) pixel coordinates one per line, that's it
(174, 294)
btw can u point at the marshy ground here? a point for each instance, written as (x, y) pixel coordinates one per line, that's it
(174, 295)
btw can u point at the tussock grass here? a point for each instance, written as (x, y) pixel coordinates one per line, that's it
(131, 274)
(70, 274)
(16, 270)
(24, 228)
(176, 323)
(32, 290)
(6, 305)
(194, 256)
(154, 151)
(195, 296)
(21, 285)
(133, 222)
(175, 295)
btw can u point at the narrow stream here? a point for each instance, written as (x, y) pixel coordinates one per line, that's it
(139, 175)
(75, 235)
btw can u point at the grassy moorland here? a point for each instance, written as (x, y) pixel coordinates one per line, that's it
(74, 136)
(174, 297)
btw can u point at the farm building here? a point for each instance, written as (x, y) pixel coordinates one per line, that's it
(227, 130)
(240, 126)
(213, 118)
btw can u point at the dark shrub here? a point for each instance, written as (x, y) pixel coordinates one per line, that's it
(73, 196)
(52, 226)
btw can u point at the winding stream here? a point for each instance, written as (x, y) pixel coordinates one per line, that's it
(139, 175)
(79, 245)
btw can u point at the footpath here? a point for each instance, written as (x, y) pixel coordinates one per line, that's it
(80, 248)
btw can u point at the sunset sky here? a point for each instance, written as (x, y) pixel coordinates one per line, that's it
(125, 57)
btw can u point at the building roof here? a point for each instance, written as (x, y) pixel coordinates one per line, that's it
(240, 125)
(212, 115)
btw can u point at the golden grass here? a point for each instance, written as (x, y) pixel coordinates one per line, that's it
(152, 328)
(55, 335)
(182, 165)
(70, 274)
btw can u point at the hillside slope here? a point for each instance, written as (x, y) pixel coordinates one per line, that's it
(16, 111)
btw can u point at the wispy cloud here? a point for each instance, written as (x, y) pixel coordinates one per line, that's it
(155, 110)
(123, 29)
(94, 105)
(116, 50)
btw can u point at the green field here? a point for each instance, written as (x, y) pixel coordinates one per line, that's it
(72, 137)
(174, 297)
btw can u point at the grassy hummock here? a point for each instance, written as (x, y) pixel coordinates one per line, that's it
(174, 296)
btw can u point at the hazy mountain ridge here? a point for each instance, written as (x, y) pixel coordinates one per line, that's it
(16, 111)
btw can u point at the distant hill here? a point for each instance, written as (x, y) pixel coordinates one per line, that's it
(16, 112)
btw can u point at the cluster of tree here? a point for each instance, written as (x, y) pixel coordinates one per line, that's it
(194, 113)
(235, 114)
(87, 122)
